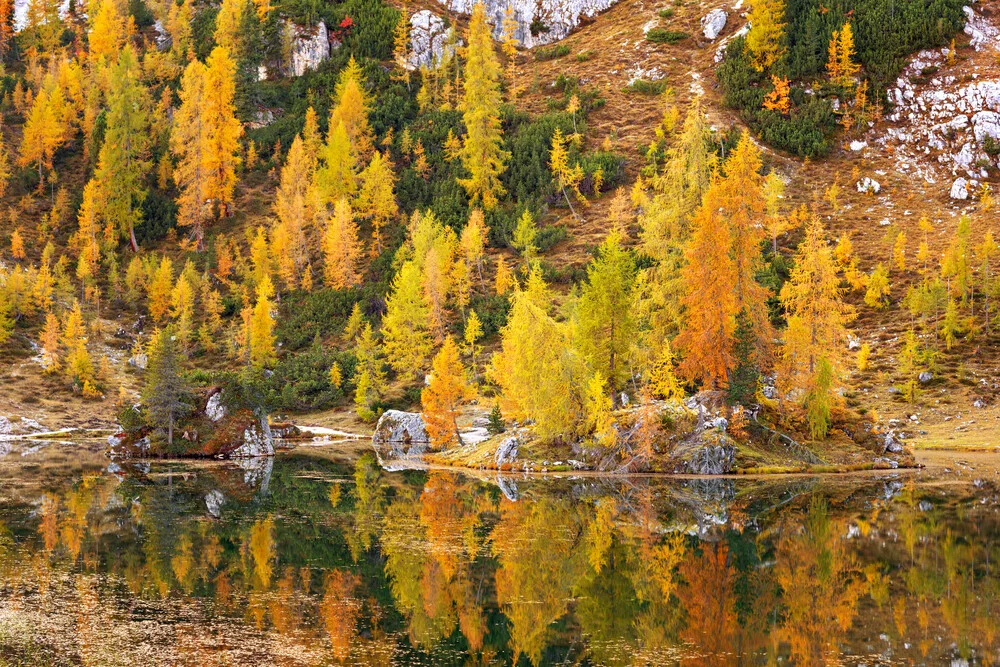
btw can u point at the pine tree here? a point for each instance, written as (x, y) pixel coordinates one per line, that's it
(376, 199)
(405, 327)
(766, 39)
(165, 390)
(222, 129)
(444, 395)
(123, 163)
(482, 152)
(744, 380)
(606, 326)
(341, 248)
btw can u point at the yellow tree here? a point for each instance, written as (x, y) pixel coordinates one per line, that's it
(473, 239)
(341, 248)
(707, 334)
(482, 153)
(405, 327)
(817, 326)
(566, 176)
(51, 357)
(222, 129)
(336, 176)
(351, 108)
(840, 62)
(376, 199)
(777, 99)
(160, 288)
(189, 143)
(444, 395)
(261, 334)
(766, 39)
(227, 24)
(109, 31)
(44, 132)
(16, 244)
(291, 205)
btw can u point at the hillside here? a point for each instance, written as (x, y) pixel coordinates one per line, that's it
(927, 142)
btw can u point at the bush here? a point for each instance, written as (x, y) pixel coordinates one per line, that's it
(527, 179)
(665, 13)
(664, 36)
(371, 36)
(584, 56)
(159, 216)
(644, 87)
(320, 313)
(301, 381)
(549, 236)
(551, 52)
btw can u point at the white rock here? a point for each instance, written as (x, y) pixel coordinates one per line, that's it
(859, 145)
(139, 361)
(870, 185)
(959, 189)
(214, 409)
(214, 500)
(713, 23)
(557, 17)
(428, 39)
(310, 47)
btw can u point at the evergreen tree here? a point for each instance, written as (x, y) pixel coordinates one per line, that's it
(165, 390)
(482, 152)
(744, 380)
(370, 378)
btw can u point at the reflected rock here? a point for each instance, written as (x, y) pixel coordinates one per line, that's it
(214, 500)
(257, 472)
(400, 435)
(508, 487)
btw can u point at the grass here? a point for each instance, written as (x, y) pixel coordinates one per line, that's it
(665, 13)
(586, 55)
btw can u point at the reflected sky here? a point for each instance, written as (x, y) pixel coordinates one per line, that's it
(311, 560)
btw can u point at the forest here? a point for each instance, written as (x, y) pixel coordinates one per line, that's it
(385, 240)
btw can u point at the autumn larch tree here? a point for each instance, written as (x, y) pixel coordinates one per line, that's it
(444, 395)
(766, 39)
(341, 248)
(44, 132)
(817, 326)
(706, 337)
(351, 109)
(606, 327)
(223, 129)
(405, 327)
(291, 205)
(482, 152)
(189, 142)
(336, 176)
(123, 163)
(376, 199)
(109, 31)
(261, 334)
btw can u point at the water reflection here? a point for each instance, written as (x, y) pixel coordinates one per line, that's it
(308, 561)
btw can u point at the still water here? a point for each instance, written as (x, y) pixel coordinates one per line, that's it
(311, 559)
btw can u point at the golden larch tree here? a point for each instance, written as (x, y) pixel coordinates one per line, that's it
(223, 130)
(766, 39)
(482, 152)
(443, 396)
(405, 327)
(341, 248)
(351, 108)
(376, 199)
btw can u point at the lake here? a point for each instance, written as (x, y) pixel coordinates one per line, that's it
(320, 558)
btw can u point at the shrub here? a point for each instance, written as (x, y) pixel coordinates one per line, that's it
(664, 36)
(644, 87)
(584, 56)
(551, 52)
(665, 13)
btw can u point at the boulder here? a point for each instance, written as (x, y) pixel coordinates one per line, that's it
(538, 21)
(214, 500)
(507, 450)
(257, 441)
(869, 185)
(925, 377)
(428, 39)
(310, 47)
(214, 408)
(713, 23)
(892, 442)
(712, 460)
(139, 361)
(960, 189)
(400, 434)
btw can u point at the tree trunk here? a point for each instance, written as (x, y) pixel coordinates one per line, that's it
(170, 430)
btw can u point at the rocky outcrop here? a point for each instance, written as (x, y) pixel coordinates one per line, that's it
(538, 21)
(428, 39)
(310, 47)
(400, 435)
(214, 408)
(711, 459)
(959, 189)
(869, 185)
(507, 450)
(214, 500)
(713, 23)
(257, 441)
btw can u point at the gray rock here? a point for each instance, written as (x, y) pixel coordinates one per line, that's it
(310, 47)
(428, 39)
(139, 361)
(507, 450)
(720, 423)
(869, 185)
(853, 342)
(214, 500)
(400, 434)
(712, 460)
(892, 442)
(925, 377)
(556, 18)
(257, 442)
(713, 23)
(925, 506)
(959, 189)
(214, 409)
